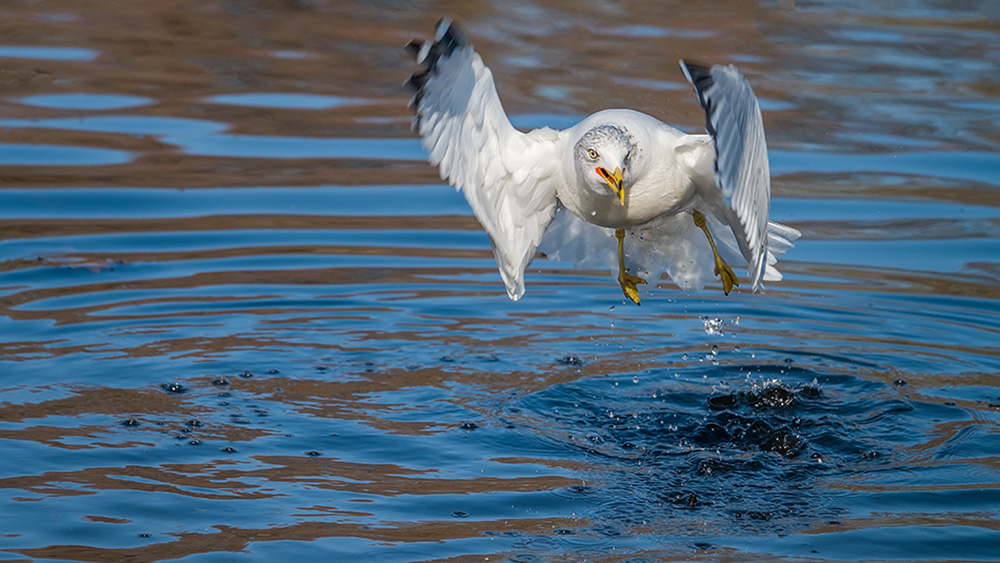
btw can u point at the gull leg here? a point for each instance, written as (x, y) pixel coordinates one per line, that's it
(627, 280)
(722, 269)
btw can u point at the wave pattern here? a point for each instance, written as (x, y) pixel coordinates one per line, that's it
(239, 315)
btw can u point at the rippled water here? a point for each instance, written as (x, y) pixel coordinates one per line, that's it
(241, 317)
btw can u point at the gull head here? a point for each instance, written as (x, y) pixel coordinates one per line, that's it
(603, 155)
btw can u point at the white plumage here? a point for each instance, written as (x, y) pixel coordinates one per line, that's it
(567, 192)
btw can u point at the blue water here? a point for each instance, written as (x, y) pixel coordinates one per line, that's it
(240, 317)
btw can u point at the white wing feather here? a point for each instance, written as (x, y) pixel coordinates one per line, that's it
(506, 175)
(742, 171)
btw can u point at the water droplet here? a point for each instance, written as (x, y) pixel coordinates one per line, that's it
(593, 213)
(635, 379)
(173, 388)
(684, 356)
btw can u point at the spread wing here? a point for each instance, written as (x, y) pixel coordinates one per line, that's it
(741, 168)
(506, 175)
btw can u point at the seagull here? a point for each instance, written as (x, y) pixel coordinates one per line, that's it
(687, 205)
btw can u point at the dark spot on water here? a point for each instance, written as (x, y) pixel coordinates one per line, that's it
(723, 401)
(314, 453)
(223, 403)
(321, 368)
(460, 514)
(246, 374)
(447, 359)
(564, 532)
(237, 419)
(766, 395)
(144, 535)
(570, 361)
(703, 546)
(219, 381)
(173, 388)
(782, 442)
(195, 442)
(224, 394)
(228, 450)
(993, 405)
(760, 516)
(470, 426)
(130, 422)
(193, 423)
(185, 430)
(581, 489)
(273, 371)
(899, 382)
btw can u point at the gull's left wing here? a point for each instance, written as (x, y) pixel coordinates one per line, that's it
(506, 175)
(742, 172)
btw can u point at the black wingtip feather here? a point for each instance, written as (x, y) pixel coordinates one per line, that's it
(700, 76)
(449, 37)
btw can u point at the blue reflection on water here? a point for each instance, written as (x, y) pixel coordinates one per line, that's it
(57, 155)
(48, 53)
(85, 101)
(285, 100)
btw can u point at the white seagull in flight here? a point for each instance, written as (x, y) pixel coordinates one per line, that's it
(684, 204)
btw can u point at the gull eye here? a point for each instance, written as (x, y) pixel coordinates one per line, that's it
(592, 153)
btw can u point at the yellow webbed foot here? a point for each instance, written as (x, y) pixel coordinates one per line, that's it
(726, 274)
(628, 283)
(627, 280)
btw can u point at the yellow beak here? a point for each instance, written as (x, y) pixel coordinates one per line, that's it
(615, 182)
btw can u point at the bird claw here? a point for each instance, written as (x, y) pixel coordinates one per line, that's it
(726, 274)
(628, 283)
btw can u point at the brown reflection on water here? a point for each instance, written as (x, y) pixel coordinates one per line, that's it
(237, 540)
(554, 57)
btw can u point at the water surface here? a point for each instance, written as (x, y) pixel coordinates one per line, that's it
(241, 317)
